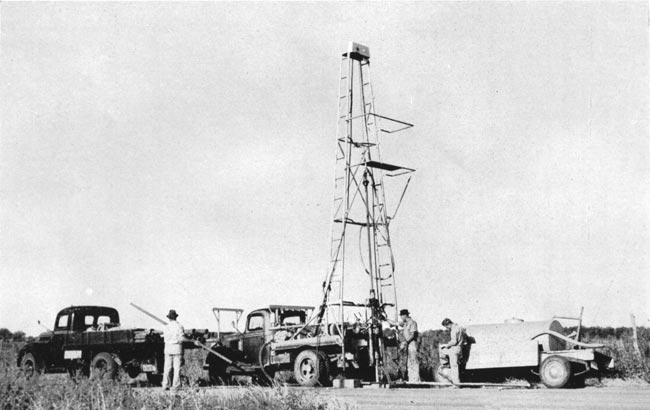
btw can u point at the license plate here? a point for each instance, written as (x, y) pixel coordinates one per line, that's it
(149, 368)
(72, 354)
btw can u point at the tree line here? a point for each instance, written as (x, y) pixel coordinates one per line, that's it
(17, 336)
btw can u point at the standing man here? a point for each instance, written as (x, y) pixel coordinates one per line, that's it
(174, 335)
(410, 345)
(454, 349)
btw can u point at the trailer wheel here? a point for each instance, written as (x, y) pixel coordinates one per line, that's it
(103, 366)
(310, 369)
(29, 367)
(555, 372)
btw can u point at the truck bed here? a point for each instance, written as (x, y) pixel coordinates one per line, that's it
(121, 336)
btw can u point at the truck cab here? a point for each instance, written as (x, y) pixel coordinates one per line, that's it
(86, 318)
(264, 325)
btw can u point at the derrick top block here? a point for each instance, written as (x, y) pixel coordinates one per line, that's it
(357, 51)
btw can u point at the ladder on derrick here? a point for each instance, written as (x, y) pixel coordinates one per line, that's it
(359, 206)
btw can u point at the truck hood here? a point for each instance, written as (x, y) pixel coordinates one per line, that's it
(43, 337)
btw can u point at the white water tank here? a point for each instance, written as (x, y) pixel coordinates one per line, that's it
(511, 344)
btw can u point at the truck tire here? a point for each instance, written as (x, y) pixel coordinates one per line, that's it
(29, 366)
(311, 369)
(555, 372)
(103, 367)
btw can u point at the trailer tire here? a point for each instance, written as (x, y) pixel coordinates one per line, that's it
(29, 366)
(555, 372)
(103, 366)
(311, 369)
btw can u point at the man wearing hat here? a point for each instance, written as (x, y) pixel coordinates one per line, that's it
(410, 345)
(174, 335)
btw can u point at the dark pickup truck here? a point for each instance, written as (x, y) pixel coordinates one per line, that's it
(88, 340)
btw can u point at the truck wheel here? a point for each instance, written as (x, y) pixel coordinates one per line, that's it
(555, 372)
(310, 369)
(29, 366)
(103, 366)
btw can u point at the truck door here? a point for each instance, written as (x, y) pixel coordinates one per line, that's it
(253, 337)
(61, 329)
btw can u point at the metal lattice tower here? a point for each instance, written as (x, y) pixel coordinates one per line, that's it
(360, 222)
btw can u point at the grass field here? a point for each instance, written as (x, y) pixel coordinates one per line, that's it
(60, 392)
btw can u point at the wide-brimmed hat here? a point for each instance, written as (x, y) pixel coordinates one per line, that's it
(172, 314)
(404, 312)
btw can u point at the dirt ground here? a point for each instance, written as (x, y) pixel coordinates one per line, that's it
(590, 398)
(619, 398)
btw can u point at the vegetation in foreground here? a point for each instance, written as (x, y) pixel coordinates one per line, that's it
(59, 392)
(17, 393)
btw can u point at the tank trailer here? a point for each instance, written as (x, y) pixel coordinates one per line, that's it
(518, 348)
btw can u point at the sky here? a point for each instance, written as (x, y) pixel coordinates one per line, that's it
(181, 156)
